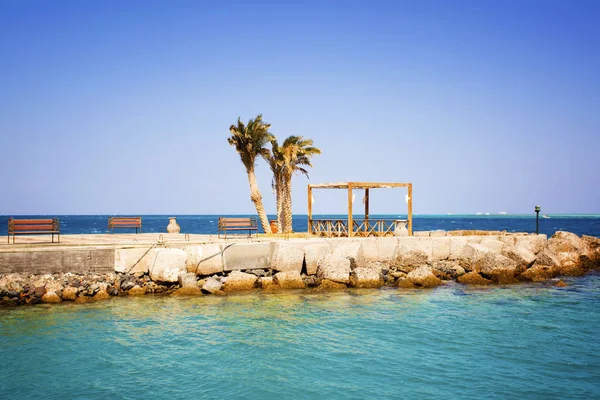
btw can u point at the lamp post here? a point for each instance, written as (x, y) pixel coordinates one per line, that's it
(537, 220)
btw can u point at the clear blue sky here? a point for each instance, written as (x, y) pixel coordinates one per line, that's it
(123, 107)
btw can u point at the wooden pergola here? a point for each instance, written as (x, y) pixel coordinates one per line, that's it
(356, 227)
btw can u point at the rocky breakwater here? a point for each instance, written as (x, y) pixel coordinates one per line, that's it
(426, 260)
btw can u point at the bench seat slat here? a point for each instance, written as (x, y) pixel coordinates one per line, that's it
(31, 221)
(33, 227)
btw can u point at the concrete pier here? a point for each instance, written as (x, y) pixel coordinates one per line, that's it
(207, 254)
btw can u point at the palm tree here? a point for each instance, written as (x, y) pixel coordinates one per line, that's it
(249, 141)
(275, 161)
(296, 153)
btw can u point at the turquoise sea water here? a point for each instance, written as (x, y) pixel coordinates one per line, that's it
(453, 342)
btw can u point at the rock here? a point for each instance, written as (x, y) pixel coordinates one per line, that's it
(287, 257)
(212, 285)
(406, 257)
(493, 244)
(204, 260)
(473, 278)
(51, 297)
(113, 291)
(560, 283)
(168, 264)
(521, 255)
(237, 280)
(565, 242)
(335, 268)
(101, 295)
(136, 291)
(69, 293)
(327, 284)
(82, 300)
(538, 272)
(471, 252)
(39, 291)
(310, 280)
(127, 285)
(313, 253)
(266, 282)
(451, 269)
(441, 248)
(534, 243)
(499, 268)
(405, 283)
(548, 258)
(365, 278)
(187, 280)
(289, 280)
(423, 277)
(188, 291)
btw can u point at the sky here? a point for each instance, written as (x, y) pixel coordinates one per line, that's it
(124, 107)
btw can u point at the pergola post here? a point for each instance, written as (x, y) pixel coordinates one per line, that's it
(366, 209)
(309, 210)
(410, 231)
(350, 222)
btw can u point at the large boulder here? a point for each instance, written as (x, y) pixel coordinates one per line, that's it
(366, 278)
(473, 278)
(327, 284)
(288, 257)
(69, 293)
(497, 267)
(131, 260)
(51, 297)
(408, 257)
(167, 264)
(448, 269)
(335, 268)
(538, 272)
(237, 280)
(204, 259)
(313, 253)
(441, 248)
(188, 280)
(423, 276)
(289, 280)
(568, 248)
(349, 250)
(212, 285)
(521, 255)
(493, 244)
(534, 243)
(266, 283)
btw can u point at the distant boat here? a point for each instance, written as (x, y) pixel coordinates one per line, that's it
(502, 213)
(487, 213)
(478, 213)
(545, 216)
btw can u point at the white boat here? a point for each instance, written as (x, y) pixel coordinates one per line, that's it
(502, 213)
(545, 216)
(479, 213)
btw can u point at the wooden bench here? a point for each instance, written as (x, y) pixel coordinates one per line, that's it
(249, 224)
(49, 226)
(125, 222)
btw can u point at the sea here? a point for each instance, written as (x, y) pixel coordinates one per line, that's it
(521, 341)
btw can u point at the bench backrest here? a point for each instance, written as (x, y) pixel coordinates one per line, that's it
(33, 225)
(235, 223)
(125, 222)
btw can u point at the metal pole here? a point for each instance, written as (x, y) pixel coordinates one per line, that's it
(537, 220)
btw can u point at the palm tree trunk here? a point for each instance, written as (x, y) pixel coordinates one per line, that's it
(287, 205)
(279, 193)
(256, 198)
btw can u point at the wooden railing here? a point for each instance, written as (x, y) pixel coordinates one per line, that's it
(360, 227)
